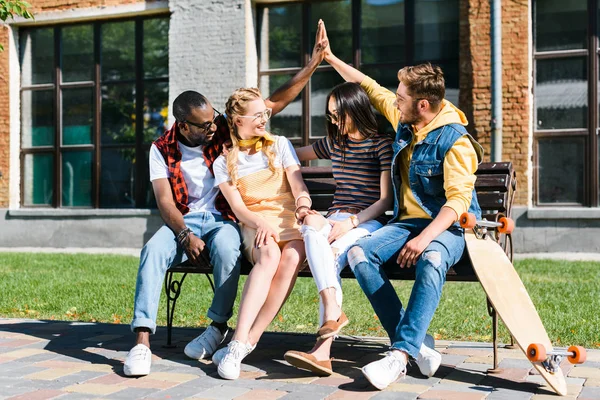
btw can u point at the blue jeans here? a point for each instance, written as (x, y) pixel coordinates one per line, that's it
(405, 327)
(222, 238)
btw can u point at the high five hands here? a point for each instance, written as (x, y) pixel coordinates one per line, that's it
(321, 49)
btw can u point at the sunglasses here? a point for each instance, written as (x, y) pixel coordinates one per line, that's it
(333, 118)
(207, 125)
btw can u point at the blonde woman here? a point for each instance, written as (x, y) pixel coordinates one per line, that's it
(261, 180)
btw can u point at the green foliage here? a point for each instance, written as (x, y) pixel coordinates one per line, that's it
(12, 8)
(101, 288)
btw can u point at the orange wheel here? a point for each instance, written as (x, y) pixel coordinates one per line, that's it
(508, 225)
(536, 352)
(468, 221)
(579, 355)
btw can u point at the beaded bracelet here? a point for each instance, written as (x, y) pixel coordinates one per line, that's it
(183, 236)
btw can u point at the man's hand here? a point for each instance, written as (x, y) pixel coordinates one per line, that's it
(339, 229)
(321, 42)
(194, 249)
(412, 250)
(263, 232)
(325, 40)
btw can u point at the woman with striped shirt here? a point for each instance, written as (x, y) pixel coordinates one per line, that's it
(361, 160)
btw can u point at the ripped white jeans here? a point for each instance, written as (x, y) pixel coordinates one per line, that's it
(327, 261)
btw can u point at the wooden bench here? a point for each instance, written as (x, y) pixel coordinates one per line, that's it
(495, 186)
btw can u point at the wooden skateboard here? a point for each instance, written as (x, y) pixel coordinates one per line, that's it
(508, 295)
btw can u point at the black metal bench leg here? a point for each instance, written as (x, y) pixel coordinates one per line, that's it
(494, 315)
(172, 291)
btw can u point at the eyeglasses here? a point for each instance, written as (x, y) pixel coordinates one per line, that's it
(265, 115)
(207, 125)
(333, 118)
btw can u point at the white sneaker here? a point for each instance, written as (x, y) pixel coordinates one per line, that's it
(429, 359)
(138, 361)
(205, 345)
(219, 354)
(382, 373)
(230, 364)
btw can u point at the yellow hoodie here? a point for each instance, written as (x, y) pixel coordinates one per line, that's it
(460, 163)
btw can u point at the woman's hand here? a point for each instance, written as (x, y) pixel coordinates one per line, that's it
(339, 229)
(302, 213)
(263, 232)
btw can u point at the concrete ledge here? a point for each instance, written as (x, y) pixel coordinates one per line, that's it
(66, 213)
(563, 213)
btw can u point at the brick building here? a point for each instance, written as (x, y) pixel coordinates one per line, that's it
(86, 87)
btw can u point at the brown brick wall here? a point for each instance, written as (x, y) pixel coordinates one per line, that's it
(54, 5)
(475, 80)
(4, 119)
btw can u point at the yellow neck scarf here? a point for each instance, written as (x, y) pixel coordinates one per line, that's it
(258, 141)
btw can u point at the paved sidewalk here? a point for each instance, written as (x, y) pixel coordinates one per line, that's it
(73, 360)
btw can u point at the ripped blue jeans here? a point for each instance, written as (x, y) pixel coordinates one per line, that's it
(371, 254)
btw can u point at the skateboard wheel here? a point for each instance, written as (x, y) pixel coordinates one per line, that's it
(468, 221)
(508, 225)
(536, 352)
(578, 355)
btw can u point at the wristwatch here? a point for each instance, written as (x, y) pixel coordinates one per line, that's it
(354, 220)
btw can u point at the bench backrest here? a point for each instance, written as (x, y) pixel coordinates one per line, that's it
(495, 186)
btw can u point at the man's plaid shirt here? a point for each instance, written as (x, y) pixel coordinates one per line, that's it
(168, 146)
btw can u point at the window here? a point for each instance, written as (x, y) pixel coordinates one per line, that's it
(566, 51)
(93, 98)
(377, 36)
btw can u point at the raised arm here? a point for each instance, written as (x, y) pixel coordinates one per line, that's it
(382, 98)
(281, 97)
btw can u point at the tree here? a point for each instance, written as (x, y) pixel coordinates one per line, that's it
(10, 8)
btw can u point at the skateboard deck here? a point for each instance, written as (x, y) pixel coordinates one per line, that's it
(508, 295)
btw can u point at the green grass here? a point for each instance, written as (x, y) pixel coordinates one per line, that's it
(101, 288)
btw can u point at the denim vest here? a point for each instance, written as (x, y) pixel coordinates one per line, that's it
(426, 170)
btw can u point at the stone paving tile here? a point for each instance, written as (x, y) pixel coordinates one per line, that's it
(90, 388)
(15, 343)
(79, 396)
(353, 394)
(51, 374)
(592, 382)
(508, 394)
(311, 389)
(589, 392)
(19, 372)
(394, 396)
(453, 359)
(515, 363)
(447, 395)
(256, 384)
(132, 393)
(222, 392)
(10, 391)
(585, 372)
(42, 394)
(463, 377)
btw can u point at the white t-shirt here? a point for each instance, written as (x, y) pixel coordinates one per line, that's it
(285, 156)
(198, 178)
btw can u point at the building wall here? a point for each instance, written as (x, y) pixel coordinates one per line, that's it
(4, 118)
(475, 81)
(207, 48)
